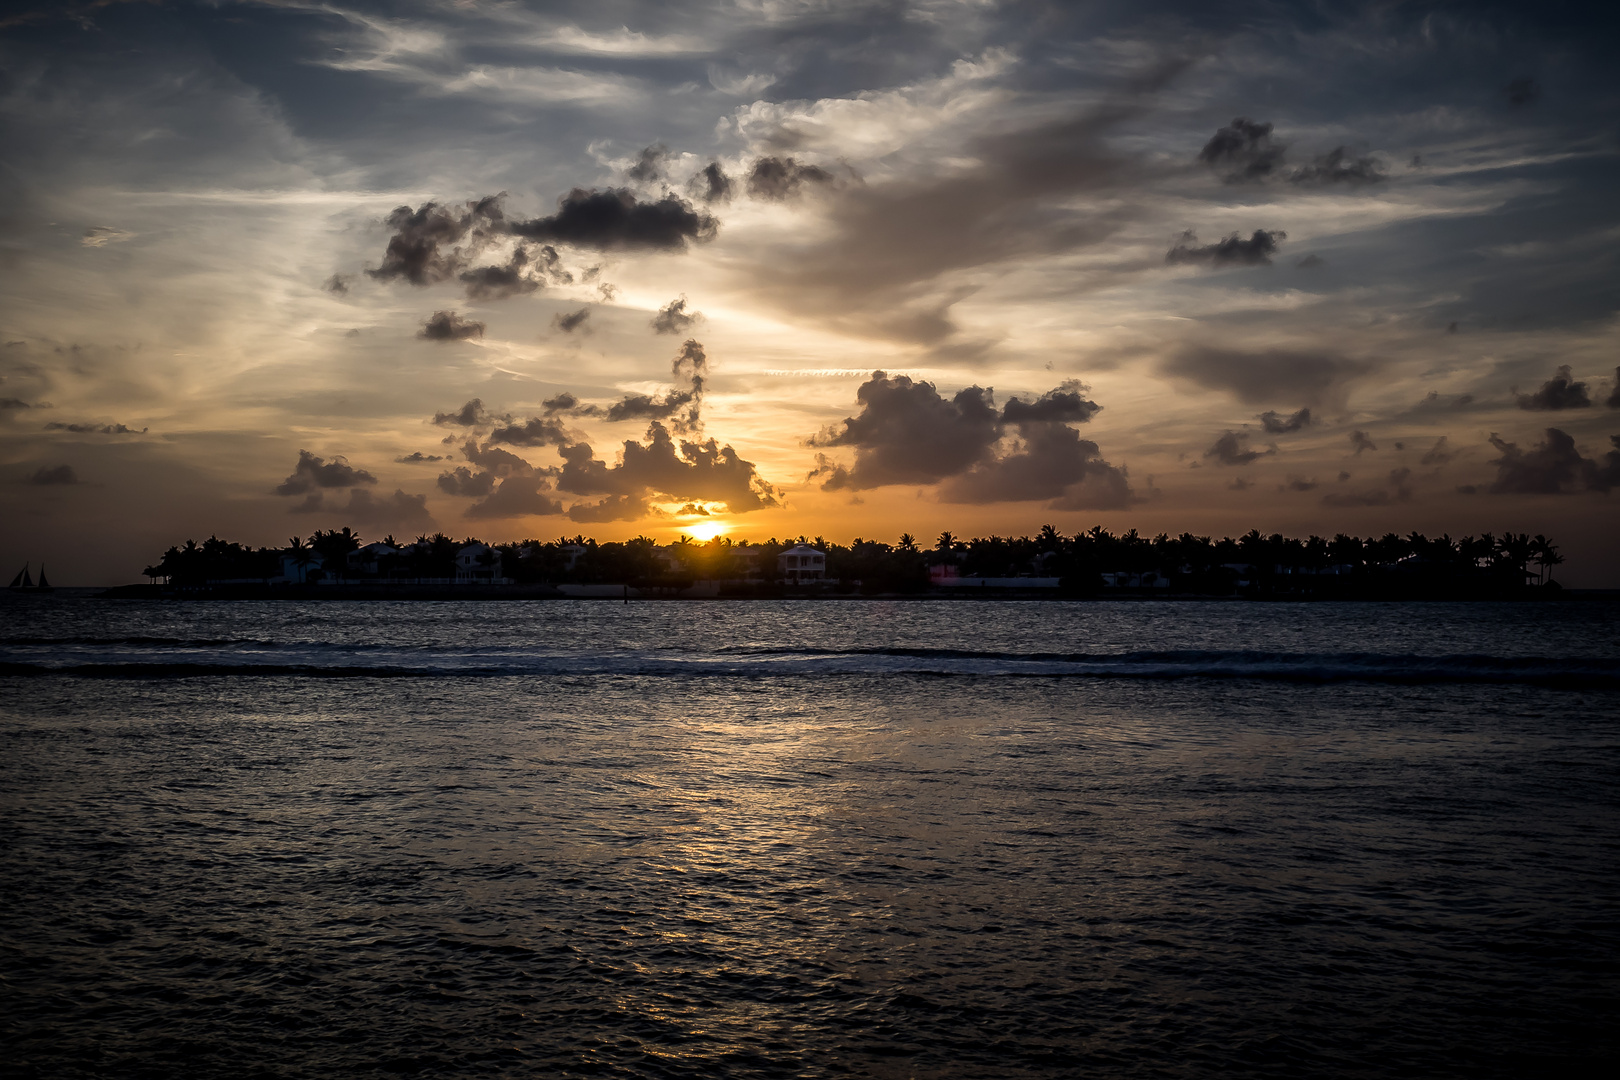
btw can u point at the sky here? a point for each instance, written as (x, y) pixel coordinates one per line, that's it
(762, 268)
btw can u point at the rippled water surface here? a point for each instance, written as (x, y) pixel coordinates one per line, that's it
(991, 839)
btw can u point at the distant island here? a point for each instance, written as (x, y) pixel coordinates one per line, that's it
(340, 564)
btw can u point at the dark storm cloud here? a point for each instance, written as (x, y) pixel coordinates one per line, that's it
(1559, 392)
(7, 404)
(613, 218)
(673, 318)
(647, 407)
(1242, 152)
(1275, 424)
(570, 321)
(1061, 405)
(536, 431)
(1339, 166)
(907, 433)
(1232, 448)
(780, 178)
(691, 471)
(1360, 440)
(1613, 400)
(448, 326)
(61, 475)
(649, 164)
(1552, 466)
(469, 415)
(1232, 250)
(1310, 262)
(1298, 483)
(94, 429)
(1267, 376)
(313, 473)
(419, 458)
(1438, 454)
(712, 185)
(1398, 489)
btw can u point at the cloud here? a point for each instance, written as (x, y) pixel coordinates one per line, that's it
(1438, 454)
(1232, 250)
(536, 431)
(1553, 466)
(673, 318)
(1558, 392)
(568, 403)
(469, 415)
(1269, 375)
(612, 508)
(517, 496)
(649, 164)
(463, 481)
(337, 284)
(416, 250)
(94, 429)
(1284, 425)
(1048, 461)
(1310, 262)
(691, 471)
(570, 321)
(1522, 91)
(396, 511)
(313, 473)
(1360, 440)
(1613, 400)
(1232, 448)
(1337, 166)
(689, 366)
(1242, 152)
(1399, 490)
(711, 184)
(419, 458)
(1061, 405)
(613, 219)
(9, 403)
(102, 235)
(780, 178)
(1433, 402)
(527, 270)
(907, 433)
(1298, 483)
(61, 475)
(448, 326)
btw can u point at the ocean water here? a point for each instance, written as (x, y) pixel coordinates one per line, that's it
(806, 839)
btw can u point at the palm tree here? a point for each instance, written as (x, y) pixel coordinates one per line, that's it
(1050, 539)
(908, 542)
(946, 541)
(1545, 554)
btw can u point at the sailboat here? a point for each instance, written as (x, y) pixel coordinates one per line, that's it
(25, 580)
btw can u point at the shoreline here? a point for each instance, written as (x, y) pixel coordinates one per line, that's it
(700, 591)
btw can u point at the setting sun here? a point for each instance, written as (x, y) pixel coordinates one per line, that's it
(707, 530)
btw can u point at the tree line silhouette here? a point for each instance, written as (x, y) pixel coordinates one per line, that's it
(1085, 564)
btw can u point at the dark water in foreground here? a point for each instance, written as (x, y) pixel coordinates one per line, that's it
(809, 839)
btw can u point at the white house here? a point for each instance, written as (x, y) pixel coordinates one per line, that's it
(801, 562)
(479, 564)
